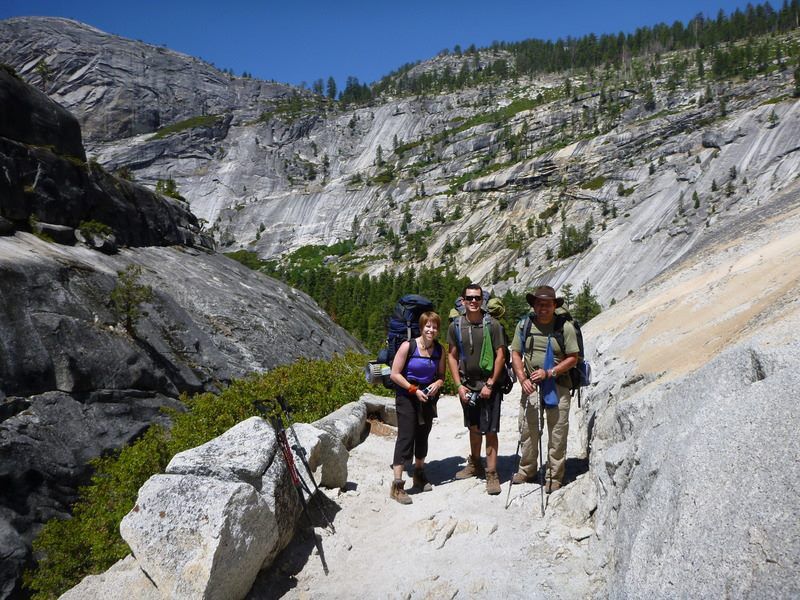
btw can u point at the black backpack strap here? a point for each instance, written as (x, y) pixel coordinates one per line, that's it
(558, 332)
(526, 332)
(436, 356)
(412, 345)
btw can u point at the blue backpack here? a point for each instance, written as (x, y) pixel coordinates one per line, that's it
(403, 325)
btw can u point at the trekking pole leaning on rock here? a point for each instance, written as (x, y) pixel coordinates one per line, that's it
(297, 482)
(301, 452)
(516, 454)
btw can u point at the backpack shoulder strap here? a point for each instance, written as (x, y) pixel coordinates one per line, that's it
(459, 339)
(526, 331)
(412, 346)
(558, 330)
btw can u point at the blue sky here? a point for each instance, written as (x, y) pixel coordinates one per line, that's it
(306, 40)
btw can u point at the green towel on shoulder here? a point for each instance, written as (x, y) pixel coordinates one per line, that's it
(486, 361)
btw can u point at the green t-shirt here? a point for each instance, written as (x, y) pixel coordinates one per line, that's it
(536, 343)
(471, 342)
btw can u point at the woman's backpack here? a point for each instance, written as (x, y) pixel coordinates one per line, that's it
(403, 325)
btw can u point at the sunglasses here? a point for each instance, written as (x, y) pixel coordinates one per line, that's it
(472, 298)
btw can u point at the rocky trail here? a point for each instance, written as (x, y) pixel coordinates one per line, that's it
(455, 541)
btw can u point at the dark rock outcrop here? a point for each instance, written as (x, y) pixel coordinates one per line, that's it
(32, 118)
(74, 382)
(47, 179)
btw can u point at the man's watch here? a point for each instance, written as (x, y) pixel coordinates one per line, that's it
(489, 384)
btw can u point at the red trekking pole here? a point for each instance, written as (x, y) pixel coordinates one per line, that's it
(297, 482)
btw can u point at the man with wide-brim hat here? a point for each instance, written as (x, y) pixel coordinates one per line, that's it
(543, 326)
(544, 292)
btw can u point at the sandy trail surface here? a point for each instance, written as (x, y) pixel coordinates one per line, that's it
(454, 541)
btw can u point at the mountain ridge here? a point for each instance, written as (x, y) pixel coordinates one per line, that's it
(272, 177)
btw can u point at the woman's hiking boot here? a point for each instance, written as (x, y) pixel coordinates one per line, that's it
(474, 468)
(421, 481)
(492, 483)
(396, 492)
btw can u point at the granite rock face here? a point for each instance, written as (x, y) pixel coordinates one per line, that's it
(210, 320)
(31, 117)
(50, 188)
(124, 87)
(690, 428)
(271, 182)
(699, 495)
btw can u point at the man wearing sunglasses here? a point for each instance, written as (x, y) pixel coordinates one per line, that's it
(478, 388)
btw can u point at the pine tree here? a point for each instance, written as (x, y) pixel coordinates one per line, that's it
(586, 304)
(43, 71)
(331, 88)
(796, 93)
(128, 294)
(568, 295)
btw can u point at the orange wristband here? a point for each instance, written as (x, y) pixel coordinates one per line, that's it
(412, 389)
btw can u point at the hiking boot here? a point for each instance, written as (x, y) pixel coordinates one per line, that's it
(421, 481)
(522, 478)
(492, 483)
(474, 468)
(397, 492)
(551, 486)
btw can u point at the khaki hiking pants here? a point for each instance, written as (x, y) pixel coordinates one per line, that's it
(557, 431)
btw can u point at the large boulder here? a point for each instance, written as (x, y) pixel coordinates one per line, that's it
(123, 581)
(222, 512)
(324, 452)
(347, 423)
(243, 453)
(199, 537)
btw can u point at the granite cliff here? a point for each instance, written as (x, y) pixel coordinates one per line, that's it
(489, 176)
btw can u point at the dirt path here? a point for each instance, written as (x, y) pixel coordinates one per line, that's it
(455, 541)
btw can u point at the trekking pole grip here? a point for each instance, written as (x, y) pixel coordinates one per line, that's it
(284, 407)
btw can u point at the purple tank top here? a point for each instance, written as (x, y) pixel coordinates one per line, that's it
(421, 369)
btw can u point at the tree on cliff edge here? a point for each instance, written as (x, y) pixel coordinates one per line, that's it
(127, 295)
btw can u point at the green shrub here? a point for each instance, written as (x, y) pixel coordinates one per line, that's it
(89, 542)
(191, 123)
(95, 228)
(385, 176)
(595, 183)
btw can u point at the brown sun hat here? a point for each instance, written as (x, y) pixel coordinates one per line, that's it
(543, 292)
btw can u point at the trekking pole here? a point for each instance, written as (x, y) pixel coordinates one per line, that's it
(301, 452)
(541, 433)
(297, 482)
(516, 454)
